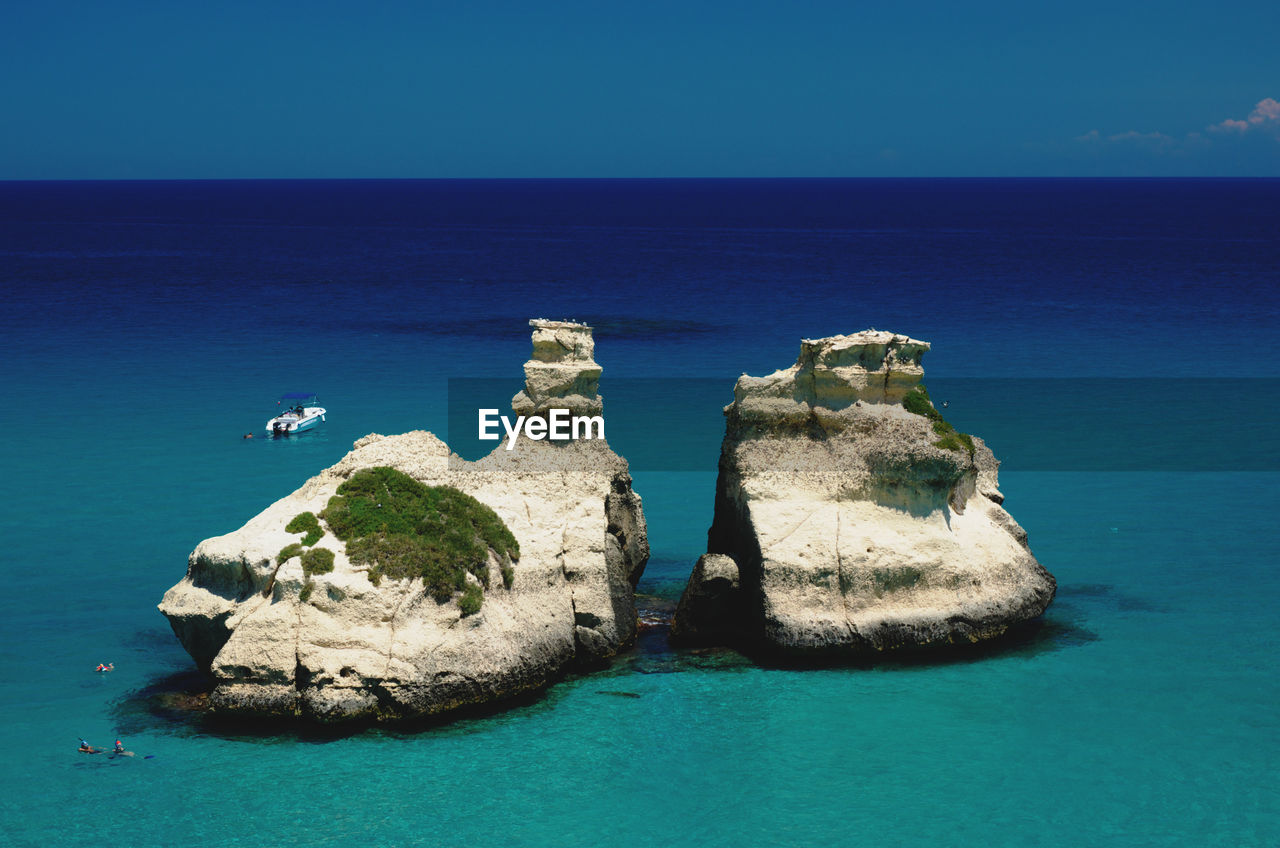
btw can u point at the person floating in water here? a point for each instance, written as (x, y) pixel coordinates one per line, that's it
(106, 667)
(86, 748)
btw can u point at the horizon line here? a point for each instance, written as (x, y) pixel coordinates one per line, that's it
(1062, 178)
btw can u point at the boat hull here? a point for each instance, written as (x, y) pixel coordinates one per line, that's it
(284, 425)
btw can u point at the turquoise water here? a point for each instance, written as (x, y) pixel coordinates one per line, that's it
(1150, 715)
(1141, 712)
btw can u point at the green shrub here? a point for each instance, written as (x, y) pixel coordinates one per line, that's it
(317, 561)
(288, 552)
(472, 598)
(305, 594)
(949, 442)
(917, 401)
(305, 522)
(403, 529)
(508, 575)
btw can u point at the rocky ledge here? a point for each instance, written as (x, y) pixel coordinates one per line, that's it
(851, 519)
(293, 615)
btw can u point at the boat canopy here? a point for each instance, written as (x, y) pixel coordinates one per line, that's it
(297, 395)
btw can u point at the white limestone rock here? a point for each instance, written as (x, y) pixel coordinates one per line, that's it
(562, 374)
(353, 650)
(853, 532)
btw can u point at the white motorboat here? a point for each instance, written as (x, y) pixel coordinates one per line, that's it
(301, 412)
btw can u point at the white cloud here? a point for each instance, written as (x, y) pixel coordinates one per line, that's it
(1265, 117)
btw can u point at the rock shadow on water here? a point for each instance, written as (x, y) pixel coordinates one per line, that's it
(1059, 629)
(653, 652)
(645, 329)
(1106, 594)
(177, 704)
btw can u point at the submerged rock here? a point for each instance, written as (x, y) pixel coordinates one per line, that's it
(286, 638)
(856, 519)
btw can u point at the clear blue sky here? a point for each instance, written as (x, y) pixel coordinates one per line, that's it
(127, 89)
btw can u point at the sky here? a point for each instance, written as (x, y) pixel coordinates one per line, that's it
(145, 90)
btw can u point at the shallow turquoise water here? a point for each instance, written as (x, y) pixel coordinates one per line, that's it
(1145, 710)
(1142, 712)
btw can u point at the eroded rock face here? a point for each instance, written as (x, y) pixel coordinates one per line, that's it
(346, 649)
(562, 374)
(853, 531)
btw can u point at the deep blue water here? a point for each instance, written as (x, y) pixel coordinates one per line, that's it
(146, 326)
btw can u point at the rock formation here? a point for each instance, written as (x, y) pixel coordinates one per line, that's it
(279, 639)
(562, 374)
(851, 519)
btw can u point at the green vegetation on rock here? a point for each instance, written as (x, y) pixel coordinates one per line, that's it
(472, 598)
(403, 529)
(305, 522)
(317, 561)
(288, 552)
(917, 401)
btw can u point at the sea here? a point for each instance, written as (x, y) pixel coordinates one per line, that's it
(1117, 342)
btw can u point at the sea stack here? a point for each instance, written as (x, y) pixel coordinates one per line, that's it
(562, 373)
(485, 580)
(852, 520)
